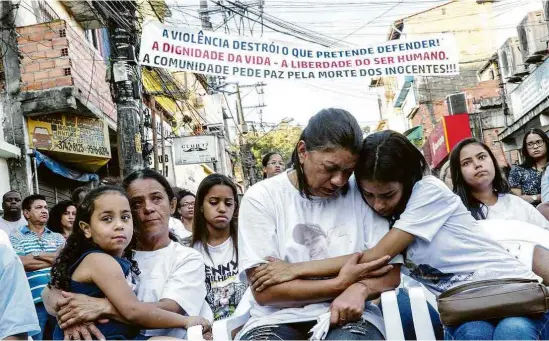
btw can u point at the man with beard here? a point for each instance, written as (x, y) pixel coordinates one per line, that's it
(37, 247)
(12, 219)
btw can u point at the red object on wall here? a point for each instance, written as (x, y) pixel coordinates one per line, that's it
(446, 134)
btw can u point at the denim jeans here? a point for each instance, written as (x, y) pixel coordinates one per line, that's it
(46, 321)
(405, 309)
(510, 328)
(360, 330)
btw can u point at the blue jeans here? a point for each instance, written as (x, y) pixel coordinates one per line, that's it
(405, 309)
(361, 330)
(46, 321)
(510, 328)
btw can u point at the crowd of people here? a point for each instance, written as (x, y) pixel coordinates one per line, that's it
(140, 259)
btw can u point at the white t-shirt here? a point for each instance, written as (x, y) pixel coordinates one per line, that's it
(450, 248)
(8, 226)
(511, 207)
(5, 240)
(275, 220)
(177, 227)
(175, 272)
(224, 288)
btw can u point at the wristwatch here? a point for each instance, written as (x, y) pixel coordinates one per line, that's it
(35, 254)
(535, 198)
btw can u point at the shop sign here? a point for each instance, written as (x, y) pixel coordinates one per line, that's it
(195, 149)
(69, 134)
(447, 133)
(532, 90)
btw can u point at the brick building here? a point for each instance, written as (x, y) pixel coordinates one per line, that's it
(422, 102)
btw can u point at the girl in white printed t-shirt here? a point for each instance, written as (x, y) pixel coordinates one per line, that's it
(215, 237)
(482, 188)
(442, 243)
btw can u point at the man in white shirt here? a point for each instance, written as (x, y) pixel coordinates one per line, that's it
(13, 218)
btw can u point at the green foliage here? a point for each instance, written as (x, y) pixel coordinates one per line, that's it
(281, 140)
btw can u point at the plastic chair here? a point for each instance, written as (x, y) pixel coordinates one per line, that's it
(519, 238)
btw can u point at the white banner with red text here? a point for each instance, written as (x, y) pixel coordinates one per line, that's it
(217, 54)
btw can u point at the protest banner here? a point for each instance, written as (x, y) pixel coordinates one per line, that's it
(217, 54)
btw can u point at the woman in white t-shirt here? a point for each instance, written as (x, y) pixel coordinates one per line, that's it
(216, 238)
(172, 275)
(482, 188)
(442, 243)
(311, 212)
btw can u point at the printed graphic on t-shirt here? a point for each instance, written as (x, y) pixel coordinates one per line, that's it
(317, 241)
(427, 274)
(224, 291)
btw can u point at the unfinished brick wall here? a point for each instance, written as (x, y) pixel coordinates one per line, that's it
(55, 55)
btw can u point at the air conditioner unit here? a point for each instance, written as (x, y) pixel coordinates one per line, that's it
(214, 128)
(532, 33)
(510, 61)
(457, 104)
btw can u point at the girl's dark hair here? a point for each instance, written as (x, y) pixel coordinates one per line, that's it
(328, 129)
(150, 174)
(529, 161)
(388, 156)
(181, 193)
(266, 160)
(463, 190)
(56, 212)
(77, 243)
(76, 193)
(200, 232)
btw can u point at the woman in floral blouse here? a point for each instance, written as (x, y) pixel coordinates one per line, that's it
(525, 179)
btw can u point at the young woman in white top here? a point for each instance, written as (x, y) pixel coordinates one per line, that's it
(442, 244)
(482, 188)
(216, 238)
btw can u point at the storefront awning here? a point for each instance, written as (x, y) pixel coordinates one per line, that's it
(415, 135)
(62, 170)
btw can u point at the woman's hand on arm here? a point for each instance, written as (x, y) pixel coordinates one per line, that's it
(300, 291)
(349, 306)
(76, 309)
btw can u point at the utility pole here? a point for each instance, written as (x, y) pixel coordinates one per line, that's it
(15, 127)
(247, 161)
(127, 89)
(212, 84)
